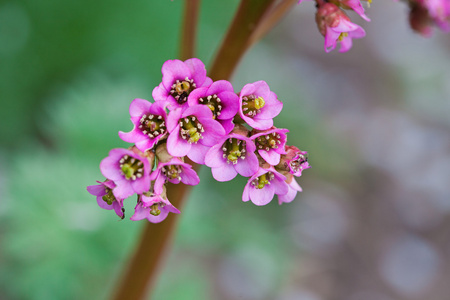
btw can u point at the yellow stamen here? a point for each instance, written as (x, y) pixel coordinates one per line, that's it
(259, 103)
(154, 210)
(183, 86)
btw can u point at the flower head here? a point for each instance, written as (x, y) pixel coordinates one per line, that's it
(130, 171)
(262, 186)
(294, 161)
(270, 144)
(221, 99)
(149, 120)
(173, 171)
(233, 154)
(192, 132)
(105, 197)
(179, 80)
(154, 208)
(335, 25)
(258, 105)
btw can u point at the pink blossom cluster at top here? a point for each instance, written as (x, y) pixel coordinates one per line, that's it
(427, 13)
(209, 123)
(335, 25)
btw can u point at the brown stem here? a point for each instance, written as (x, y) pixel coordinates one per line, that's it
(143, 267)
(271, 19)
(236, 42)
(189, 29)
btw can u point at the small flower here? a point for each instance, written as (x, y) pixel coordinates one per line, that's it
(425, 13)
(192, 132)
(335, 25)
(152, 207)
(262, 186)
(129, 170)
(292, 192)
(258, 105)
(270, 144)
(294, 161)
(105, 197)
(179, 80)
(149, 120)
(221, 99)
(232, 155)
(173, 171)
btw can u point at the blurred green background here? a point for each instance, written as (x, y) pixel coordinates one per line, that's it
(372, 222)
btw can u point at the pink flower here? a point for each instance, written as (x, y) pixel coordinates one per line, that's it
(292, 192)
(335, 25)
(270, 144)
(262, 186)
(149, 124)
(232, 155)
(179, 80)
(258, 105)
(425, 13)
(221, 99)
(154, 208)
(105, 197)
(173, 171)
(129, 170)
(192, 132)
(294, 161)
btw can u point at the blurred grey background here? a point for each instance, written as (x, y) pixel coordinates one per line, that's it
(372, 222)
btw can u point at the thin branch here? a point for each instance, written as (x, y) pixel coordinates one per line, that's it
(271, 19)
(189, 29)
(236, 42)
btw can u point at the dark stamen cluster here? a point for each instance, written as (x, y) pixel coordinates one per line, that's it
(172, 171)
(234, 149)
(214, 104)
(268, 141)
(152, 125)
(180, 90)
(297, 162)
(131, 167)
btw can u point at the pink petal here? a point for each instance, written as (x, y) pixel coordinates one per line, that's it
(140, 212)
(123, 190)
(247, 167)
(197, 153)
(262, 196)
(103, 204)
(109, 167)
(214, 157)
(161, 217)
(159, 93)
(176, 146)
(97, 190)
(189, 177)
(224, 173)
(173, 70)
(272, 157)
(138, 107)
(197, 70)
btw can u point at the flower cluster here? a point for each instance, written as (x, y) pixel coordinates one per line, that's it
(209, 123)
(335, 25)
(426, 13)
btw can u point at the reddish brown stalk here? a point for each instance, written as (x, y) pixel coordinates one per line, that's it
(189, 29)
(271, 19)
(236, 42)
(141, 272)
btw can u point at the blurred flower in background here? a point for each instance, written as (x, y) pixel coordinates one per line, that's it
(372, 224)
